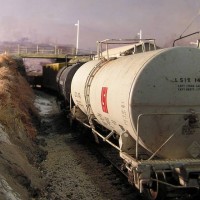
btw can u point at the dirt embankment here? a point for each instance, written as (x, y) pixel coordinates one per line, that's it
(20, 177)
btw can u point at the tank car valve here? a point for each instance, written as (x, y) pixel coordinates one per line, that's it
(192, 120)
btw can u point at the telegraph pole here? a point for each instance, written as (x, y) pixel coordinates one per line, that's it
(77, 37)
(140, 35)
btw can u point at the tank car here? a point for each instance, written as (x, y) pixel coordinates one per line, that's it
(63, 80)
(51, 72)
(151, 101)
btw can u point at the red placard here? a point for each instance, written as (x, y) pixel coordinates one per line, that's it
(104, 99)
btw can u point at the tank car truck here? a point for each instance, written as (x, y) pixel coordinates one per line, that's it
(150, 99)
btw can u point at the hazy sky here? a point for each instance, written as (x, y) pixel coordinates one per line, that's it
(53, 21)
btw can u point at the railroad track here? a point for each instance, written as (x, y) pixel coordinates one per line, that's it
(112, 156)
(111, 162)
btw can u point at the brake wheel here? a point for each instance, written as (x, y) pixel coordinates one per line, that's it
(156, 190)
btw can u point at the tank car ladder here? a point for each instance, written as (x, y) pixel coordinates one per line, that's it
(89, 80)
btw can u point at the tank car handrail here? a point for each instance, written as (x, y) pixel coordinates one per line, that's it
(169, 138)
(121, 42)
(171, 135)
(172, 185)
(107, 138)
(124, 41)
(181, 37)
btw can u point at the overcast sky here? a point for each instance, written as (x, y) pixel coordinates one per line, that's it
(53, 21)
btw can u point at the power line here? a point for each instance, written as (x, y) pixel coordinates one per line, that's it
(190, 24)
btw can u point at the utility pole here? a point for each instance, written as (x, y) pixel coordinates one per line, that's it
(140, 35)
(77, 37)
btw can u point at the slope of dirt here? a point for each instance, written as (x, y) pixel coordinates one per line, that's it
(19, 155)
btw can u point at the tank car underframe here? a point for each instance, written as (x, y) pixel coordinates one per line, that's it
(187, 171)
(140, 168)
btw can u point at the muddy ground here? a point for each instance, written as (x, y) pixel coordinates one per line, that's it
(72, 169)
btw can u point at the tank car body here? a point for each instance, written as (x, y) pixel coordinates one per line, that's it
(59, 82)
(53, 72)
(151, 97)
(64, 78)
(151, 101)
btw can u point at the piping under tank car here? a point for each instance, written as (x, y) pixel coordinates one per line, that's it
(151, 101)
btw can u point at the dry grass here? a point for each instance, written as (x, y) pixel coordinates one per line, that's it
(16, 98)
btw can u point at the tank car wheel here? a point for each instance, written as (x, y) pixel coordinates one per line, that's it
(156, 190)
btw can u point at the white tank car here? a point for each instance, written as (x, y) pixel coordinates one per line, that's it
(152, 97)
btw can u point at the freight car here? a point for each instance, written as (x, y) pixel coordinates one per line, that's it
(50, 71)
(151, 101)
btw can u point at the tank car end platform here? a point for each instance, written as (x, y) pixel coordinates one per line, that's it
(185, 173)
